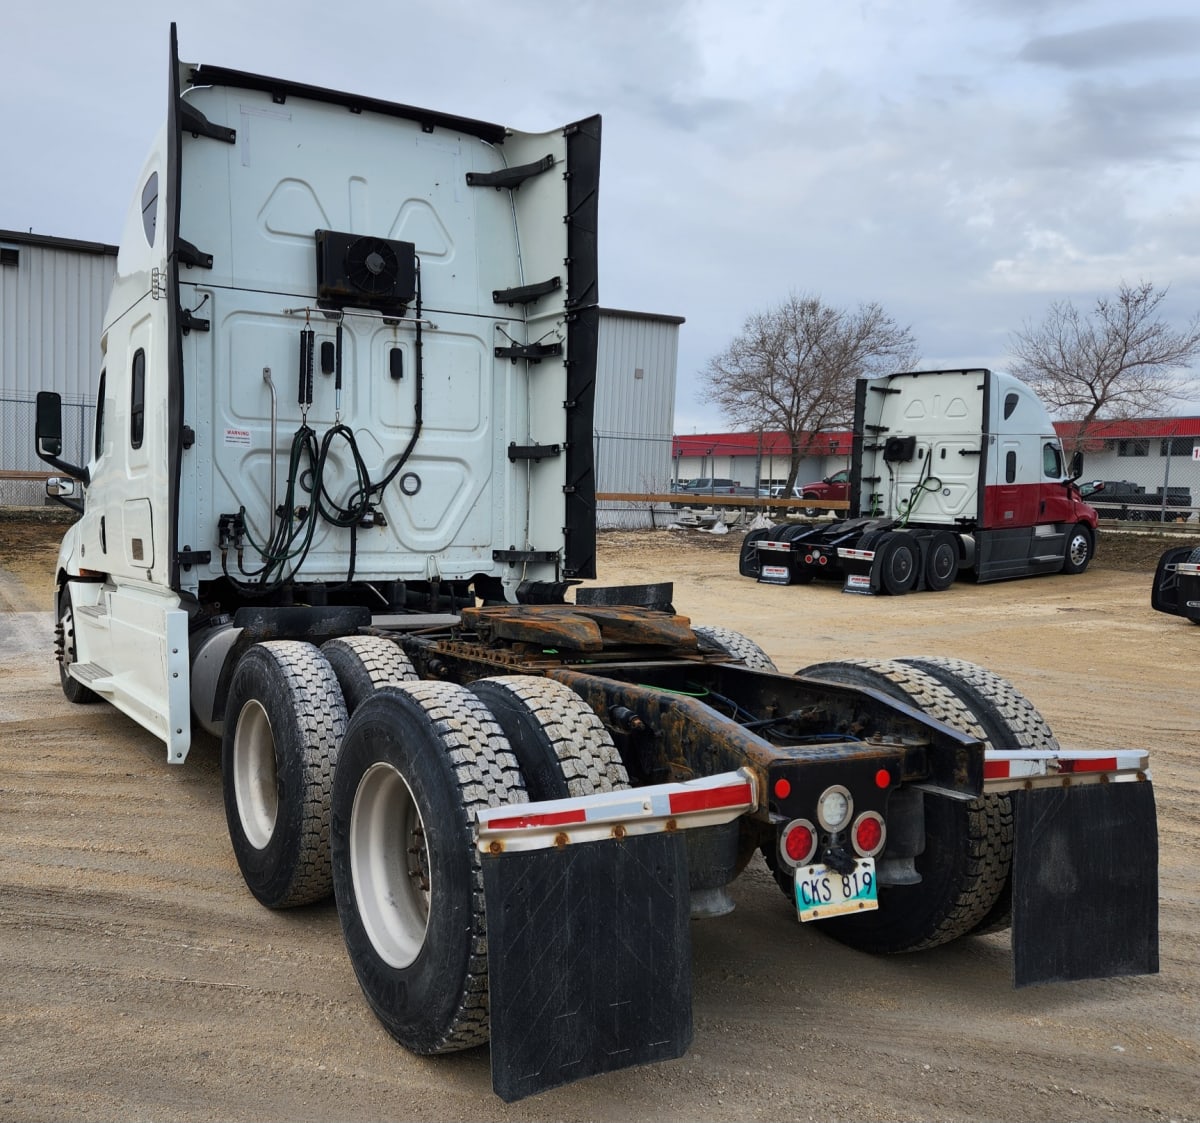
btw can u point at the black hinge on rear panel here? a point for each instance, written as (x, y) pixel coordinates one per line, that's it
(533, 452)
(886, 390)
(188, 322)
(534, 352)
(526, 294)
(189, 558)
(510, 177)
(190, 255)
(191, 120)
(536, 557)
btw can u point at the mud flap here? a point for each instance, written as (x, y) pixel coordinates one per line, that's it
(1085, 883)
(589, 960)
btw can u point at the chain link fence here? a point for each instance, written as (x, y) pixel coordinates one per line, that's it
(22, 474)
(1144, 479)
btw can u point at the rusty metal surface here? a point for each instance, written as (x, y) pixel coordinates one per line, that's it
(676, 713)
(587, 628)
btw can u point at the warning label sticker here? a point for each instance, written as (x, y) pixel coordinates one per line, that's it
(238, 437)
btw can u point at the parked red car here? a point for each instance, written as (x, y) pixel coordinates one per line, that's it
(833, 487)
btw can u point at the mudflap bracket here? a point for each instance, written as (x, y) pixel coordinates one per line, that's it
(589, 958)
(1085, 883)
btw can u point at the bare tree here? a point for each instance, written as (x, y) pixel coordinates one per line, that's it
(793, 368)
(1121, 362)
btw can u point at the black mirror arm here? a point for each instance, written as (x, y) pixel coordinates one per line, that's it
(75, 471)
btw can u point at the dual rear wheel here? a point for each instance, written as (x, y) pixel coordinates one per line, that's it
(344, 773)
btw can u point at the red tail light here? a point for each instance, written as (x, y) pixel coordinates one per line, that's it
(798, 843)
(869, 833)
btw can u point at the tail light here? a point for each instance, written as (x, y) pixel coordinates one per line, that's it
(798, 842)
(869, 833)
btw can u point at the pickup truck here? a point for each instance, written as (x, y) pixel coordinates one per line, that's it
(707, 486)
(1123, 499)
(833, 487)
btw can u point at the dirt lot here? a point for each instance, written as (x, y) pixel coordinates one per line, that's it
(141, 980)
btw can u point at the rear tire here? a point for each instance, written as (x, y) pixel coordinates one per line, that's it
(898, 564)
(941, 562)
(363, 664)
(561, 745)
(284, 720)
(417, 763)
(1008, 718)
(735, 644)
(968, 851)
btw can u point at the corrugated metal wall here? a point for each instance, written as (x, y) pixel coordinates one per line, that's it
(635, 408)
(52, 301)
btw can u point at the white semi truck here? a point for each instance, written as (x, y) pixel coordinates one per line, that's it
(951, 472)
(337, 510)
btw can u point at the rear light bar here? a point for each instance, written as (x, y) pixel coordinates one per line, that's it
(707, 802)
(1018, 769)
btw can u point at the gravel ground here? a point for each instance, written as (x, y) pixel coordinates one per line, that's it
(141, 980)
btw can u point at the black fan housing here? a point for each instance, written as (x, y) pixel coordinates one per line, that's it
(363, 271)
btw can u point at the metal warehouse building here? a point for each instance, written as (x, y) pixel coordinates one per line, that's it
(53, 294)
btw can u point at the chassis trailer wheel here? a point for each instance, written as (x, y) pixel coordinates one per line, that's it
(967, 854)
(416, 763)
(363, 664)
(561, 745)
(284, 719)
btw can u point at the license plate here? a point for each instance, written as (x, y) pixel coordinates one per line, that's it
(822, 892)
(775, 572)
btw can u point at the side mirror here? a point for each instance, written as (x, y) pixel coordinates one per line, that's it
(48, 435)
(48, 432)
(1076, 465)
(57, 487)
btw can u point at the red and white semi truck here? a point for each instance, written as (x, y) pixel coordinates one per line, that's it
(952, 472)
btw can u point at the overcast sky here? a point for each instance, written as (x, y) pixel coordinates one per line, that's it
(962, 162)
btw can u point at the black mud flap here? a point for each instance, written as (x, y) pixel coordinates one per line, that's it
(1172, 592)
(589, 960)
(1085, 883)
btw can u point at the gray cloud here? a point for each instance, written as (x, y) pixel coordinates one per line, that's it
(1115, 44)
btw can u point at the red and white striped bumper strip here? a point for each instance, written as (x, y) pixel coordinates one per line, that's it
(1017, 769)
(633, 811)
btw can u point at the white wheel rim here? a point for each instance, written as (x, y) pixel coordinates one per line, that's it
(1079, 549)
(389, 865)
(255, 780)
